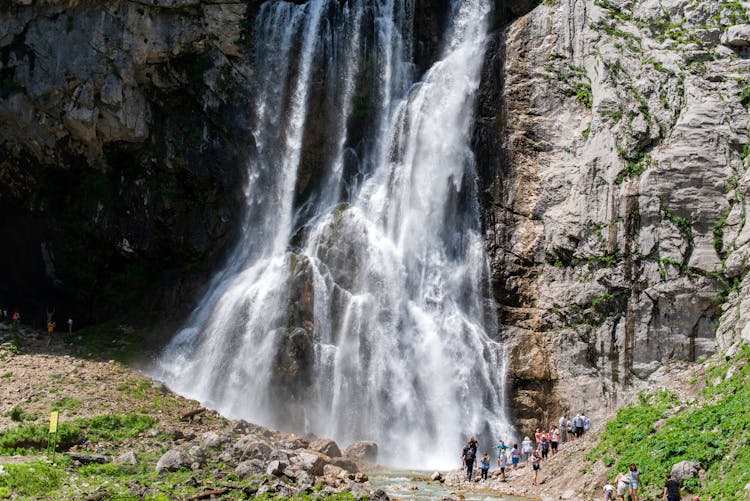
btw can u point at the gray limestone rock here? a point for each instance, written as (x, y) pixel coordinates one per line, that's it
(362, 451)
(326, 446)
(685, 469)
(127, 457)
(250, 447)
(276, 468)
(736, 36)
(172, 460)
(250, 468)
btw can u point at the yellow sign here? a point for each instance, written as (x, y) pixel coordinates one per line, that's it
(53, 421)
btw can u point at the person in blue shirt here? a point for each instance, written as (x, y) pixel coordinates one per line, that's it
(484, 465)
(501, 450)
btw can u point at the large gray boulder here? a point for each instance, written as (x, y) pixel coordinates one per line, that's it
(685, 469)
(249, 468)
(312, 462)
(362, 451)
(326, 446)
(213, 439)
(737, 36)
(128, 457)
(250, 447)
(172, 460)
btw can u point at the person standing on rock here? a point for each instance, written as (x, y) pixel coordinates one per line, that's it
(526, 448)
(535, 467)
(502, 462)
(671, 489)
(515, 456)
(484, 465)
(501, 450)
(586, 424)
(70, 325)
(467, 456)
(545, 446)
(554, 439)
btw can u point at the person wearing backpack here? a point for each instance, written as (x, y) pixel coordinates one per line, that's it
(468, 455)
(535, 466)
(484, 465)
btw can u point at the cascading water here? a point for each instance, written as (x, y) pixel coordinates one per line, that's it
(362, 312)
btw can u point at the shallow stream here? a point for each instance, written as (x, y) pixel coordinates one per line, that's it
(416, 485)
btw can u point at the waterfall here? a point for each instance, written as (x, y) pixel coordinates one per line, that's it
(360, 309)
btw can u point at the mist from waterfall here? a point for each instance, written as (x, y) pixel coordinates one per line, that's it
(363, 310)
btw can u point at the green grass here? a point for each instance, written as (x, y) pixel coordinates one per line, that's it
(714, 433)
(35, 480)
(66, 404)
(32, 438)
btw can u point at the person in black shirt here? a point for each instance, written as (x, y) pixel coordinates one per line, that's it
(671, 489)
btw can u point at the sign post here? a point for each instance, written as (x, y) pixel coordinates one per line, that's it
(52, 437)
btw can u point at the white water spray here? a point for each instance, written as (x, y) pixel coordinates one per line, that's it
(366, 318)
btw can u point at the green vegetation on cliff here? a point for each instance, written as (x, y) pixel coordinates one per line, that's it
(713, 430)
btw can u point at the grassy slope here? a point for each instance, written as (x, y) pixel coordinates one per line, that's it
(713, 430)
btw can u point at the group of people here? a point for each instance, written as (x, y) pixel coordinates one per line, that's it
(15, 318)
(626, 483)
(532, 452)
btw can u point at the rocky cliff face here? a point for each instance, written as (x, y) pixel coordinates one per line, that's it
(123, 147)
(613, 150)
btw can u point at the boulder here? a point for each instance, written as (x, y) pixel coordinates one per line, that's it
(736, 36)
(213, 439)
(172, 460)
(303, 479)
(249, 468)
(197, 454)
(326, 446)
(361, 478)
(436, 476)
(276, 468)
(379, 495)
(331, 473)
(362, 451)
(685, 469)
(128, 457)
(346, 464)
(312, 462)
(250, 447)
